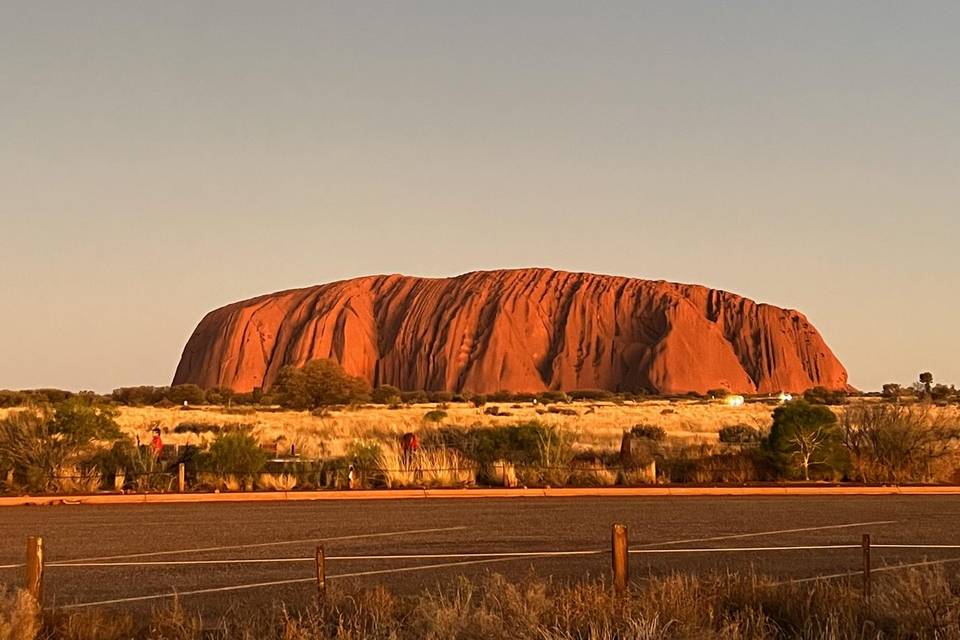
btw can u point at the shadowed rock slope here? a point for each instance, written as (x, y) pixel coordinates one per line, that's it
(516, 330)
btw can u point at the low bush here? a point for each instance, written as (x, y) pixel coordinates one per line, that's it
(591, 394)
(549, 397)
(739, 434)
(436, 415)
(414, 397)
(236, 454)
(821, 395)
(649, 431)
(51, 449)
(386, 394)
(197, 428)
(440, 396)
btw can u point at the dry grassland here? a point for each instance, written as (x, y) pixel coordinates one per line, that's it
(595, 424)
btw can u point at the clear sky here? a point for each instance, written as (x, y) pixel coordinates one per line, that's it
(158, 160)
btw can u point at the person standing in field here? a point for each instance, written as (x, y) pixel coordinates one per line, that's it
(409, 445)
(156, 443)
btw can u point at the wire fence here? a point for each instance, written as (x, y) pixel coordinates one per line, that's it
(618, 553)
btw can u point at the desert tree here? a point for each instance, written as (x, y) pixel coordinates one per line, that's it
(926, 382)
(892, 391)
(318, 383)
(897, 443)
(803, 436)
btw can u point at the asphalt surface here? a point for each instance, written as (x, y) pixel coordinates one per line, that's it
(251, 531)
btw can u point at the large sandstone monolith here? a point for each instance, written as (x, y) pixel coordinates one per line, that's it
(515, 330)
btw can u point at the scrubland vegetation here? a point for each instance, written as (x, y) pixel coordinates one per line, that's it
(912, 603)
(329, 433)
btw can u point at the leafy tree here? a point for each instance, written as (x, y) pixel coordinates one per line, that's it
(318, 383)
(892, 391)
(189, 393)
(437, 415)
(926, 381)
(803, 436)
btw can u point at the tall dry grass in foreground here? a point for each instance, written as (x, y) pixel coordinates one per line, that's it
(429, 467)
(915, 603)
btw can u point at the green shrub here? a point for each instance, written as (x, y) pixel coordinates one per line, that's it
(805, 437)
(385, 394)
(739, 434)
(649, 431)
(137, 396)
(591, 394)
(549, 397)
(365, 457)
(440, 396)
(203, 427)
(234, 454)
(414, 397)
(51, 449)
(186, 393)
(219, 395)
(519, 444)
(822, 395)
(437, 415)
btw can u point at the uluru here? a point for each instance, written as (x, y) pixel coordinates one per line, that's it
(515, 330)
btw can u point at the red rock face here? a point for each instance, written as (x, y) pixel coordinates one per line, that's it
(516, 330)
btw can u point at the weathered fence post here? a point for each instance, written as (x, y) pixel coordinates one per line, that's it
(35, 567)
(621, 564)
(181, 477)
(321, 575)
(865, 544)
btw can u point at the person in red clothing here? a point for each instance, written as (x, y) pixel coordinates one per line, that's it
(156, 444)
(409, 444)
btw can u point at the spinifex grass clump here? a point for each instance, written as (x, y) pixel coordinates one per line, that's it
(427, 467)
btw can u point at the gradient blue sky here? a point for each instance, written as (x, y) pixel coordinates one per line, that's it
(161, 159)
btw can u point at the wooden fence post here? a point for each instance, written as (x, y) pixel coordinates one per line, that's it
(865, 544)
(621, 564)
(181, 477)
(321, 575)
(35, 567)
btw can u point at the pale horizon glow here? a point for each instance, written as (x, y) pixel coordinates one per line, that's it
(160, 160)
